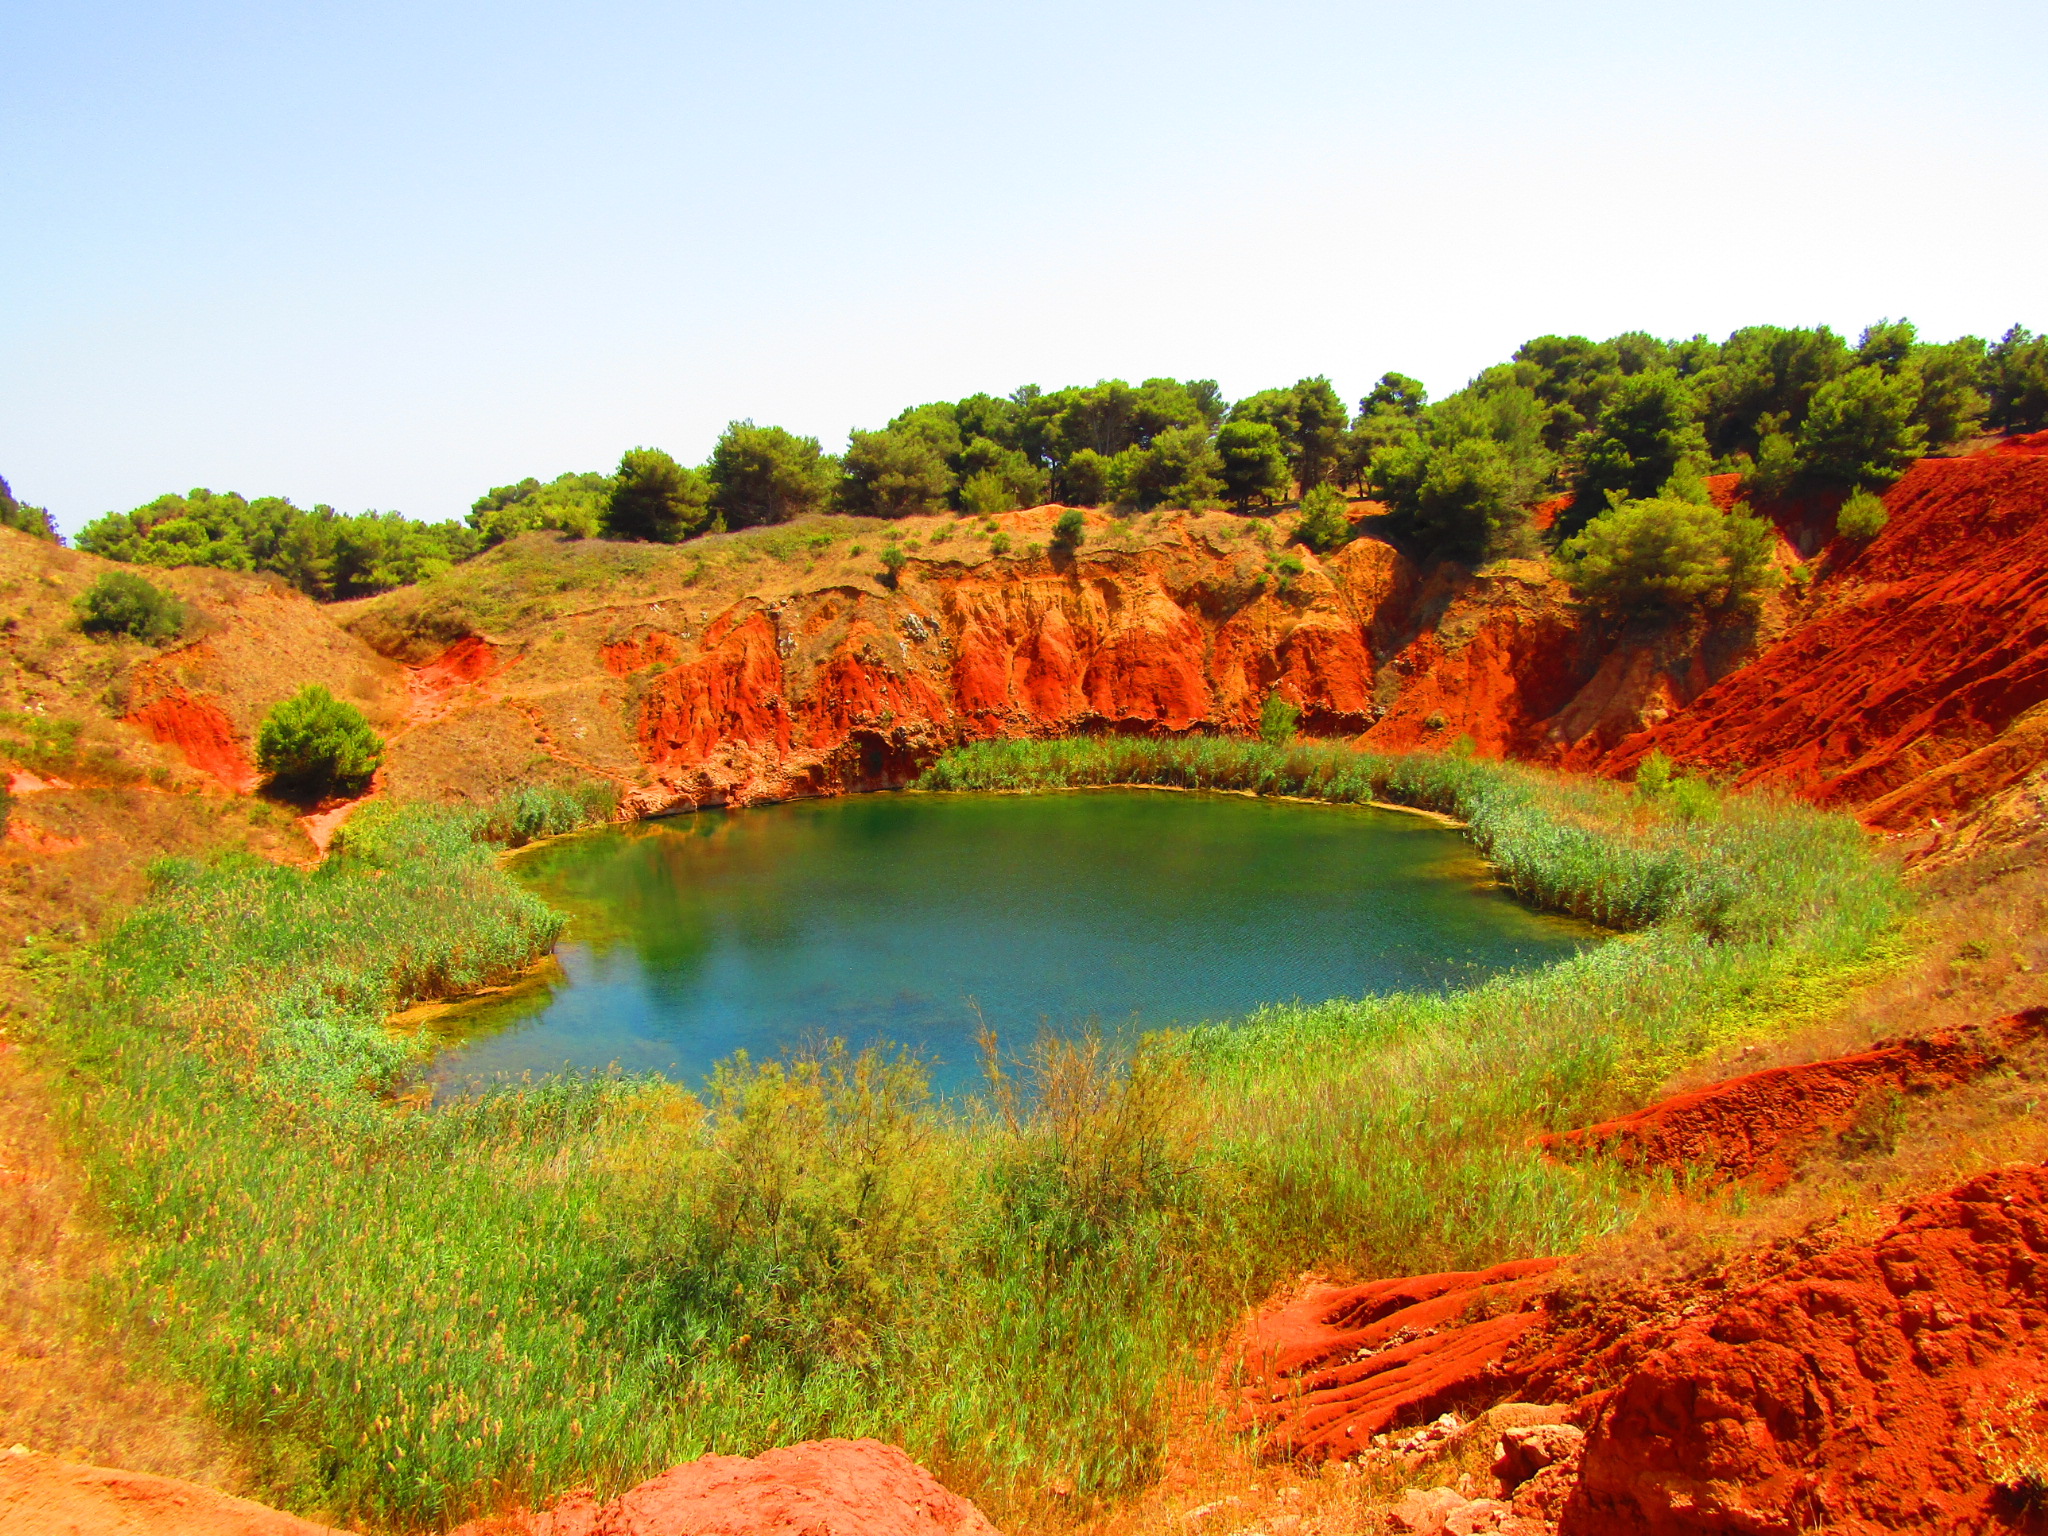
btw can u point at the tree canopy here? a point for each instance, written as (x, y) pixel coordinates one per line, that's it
(324, 553)
(653, 497)
(30, 520)
(1632, 418)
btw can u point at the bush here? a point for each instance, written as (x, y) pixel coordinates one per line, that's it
(33, 521)
(122, 603)
(313, 742)
(1647, 428)
(2018, 375)
(1457, 501)
(1254, 462)
(654, 497)
(1323, 525)
(894, 559)
(573, 504)
(1278, 720)
(1861, 518)
(1643, 557)
(1860, 430)
(1085, 479)
(1070, 530)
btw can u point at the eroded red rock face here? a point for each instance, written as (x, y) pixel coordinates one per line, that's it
(817, 1488)
(1325, 1372)
(1756, 1126)
(1906, 694)
(1844, 1395)
(199, 727)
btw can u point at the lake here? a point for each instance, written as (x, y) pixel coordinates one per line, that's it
(908, 918)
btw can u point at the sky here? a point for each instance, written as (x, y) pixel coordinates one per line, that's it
(387, 255)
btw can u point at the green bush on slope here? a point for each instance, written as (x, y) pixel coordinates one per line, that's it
(423, 1313)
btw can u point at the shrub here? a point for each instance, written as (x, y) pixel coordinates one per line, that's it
(1653, 776)
(1647, 428)
(1070, 530)
(1645, 557)
(654, 497)
(1323, 525)
(123, 603)
(34, 521)
(894, 473)
(1084, 479)
(1861, 518)
(893, 560)
(1860, 429)
(313, 742)
(2017, 372)
(573, 504)
(1278, 719)
(999, 543)
(1254, 462)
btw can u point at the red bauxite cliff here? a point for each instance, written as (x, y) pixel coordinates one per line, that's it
(1905, 681)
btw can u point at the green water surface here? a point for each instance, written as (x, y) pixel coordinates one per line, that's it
(893, 917)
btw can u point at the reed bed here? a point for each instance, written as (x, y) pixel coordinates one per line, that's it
(420, 1314)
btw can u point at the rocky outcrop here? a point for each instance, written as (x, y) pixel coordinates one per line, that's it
(817, 1488)
(1852, 1394)
(1324, 1372)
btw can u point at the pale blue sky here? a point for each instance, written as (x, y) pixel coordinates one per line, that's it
(387, 255)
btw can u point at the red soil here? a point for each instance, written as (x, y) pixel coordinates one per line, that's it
(1904, 696)
(1755, 1126)
(432, 685)
(817, 1488)
(21, 782)
(41, 1496)
(1844, 1395)
(199, 727)
(643, 648)
(1324, 1372)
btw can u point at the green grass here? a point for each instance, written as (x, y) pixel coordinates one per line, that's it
(418, 1314)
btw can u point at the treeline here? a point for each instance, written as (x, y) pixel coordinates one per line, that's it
(326, 554)
(1626, 422)
(30, 520)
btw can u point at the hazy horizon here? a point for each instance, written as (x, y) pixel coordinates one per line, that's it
(386, 256)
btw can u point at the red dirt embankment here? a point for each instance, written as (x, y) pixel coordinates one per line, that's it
(1756, 1126)
(1912, 692)
(200, 729)
(1850, 1394)
(41, 1496)
(1333, 1366)
(816, 1488)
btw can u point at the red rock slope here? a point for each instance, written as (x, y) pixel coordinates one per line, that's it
(1914, 690)
(1852, 1394)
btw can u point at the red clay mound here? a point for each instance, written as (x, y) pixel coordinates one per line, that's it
(818, 1488)
(1325, 1372)
(1928, 645)
(41, 1496)
(1847, 1394)
(1756, 1126)
(200, 729)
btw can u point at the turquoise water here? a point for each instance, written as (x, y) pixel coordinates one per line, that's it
(895, 917)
